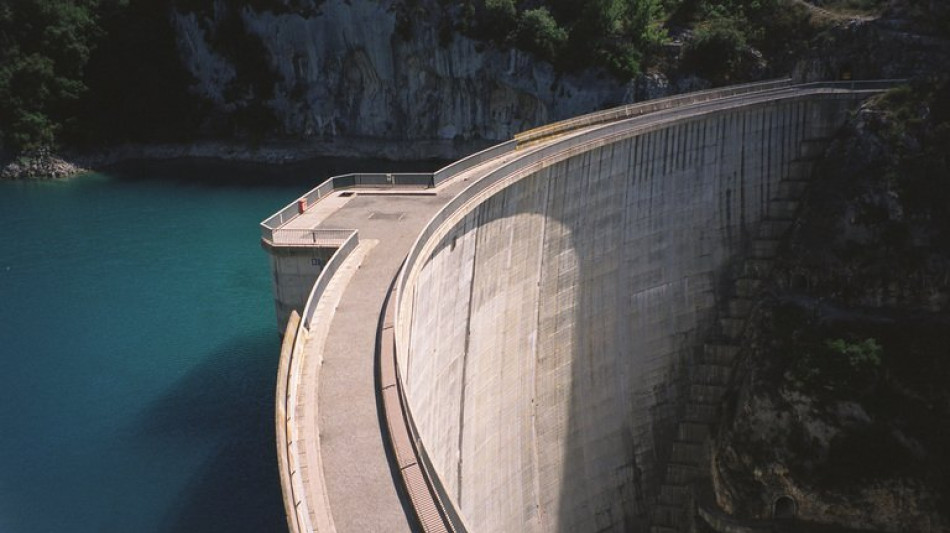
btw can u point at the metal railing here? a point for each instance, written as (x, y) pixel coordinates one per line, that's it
(652, 106)
(343, 181)
(642, 108)
(473, 160)
(310, 237)
(271, 226)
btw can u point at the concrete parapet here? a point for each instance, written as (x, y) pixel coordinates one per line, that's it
(294, 270)
(284, 465)
(298, 438)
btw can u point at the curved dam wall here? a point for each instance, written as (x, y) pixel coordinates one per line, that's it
(546, 329)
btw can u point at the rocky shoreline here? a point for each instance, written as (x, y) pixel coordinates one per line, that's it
(45, 164)
(39, 164)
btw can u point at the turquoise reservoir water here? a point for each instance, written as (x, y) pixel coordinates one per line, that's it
(138, 349)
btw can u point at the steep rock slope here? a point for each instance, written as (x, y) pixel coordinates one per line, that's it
(843, 404)
(348, 68)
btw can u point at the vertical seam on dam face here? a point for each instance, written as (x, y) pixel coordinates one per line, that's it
(535, 456)
(465, 355)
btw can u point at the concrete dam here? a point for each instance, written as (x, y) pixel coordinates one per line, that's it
(536, 337)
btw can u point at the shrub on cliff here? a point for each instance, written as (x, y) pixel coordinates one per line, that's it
(538, 32)
(572, 34)
(717, 51)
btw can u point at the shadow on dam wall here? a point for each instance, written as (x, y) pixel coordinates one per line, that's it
(552, 327)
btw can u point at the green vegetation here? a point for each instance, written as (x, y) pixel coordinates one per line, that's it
(629, 36)
(838, 366)
(89, 71)
(573, 34)
(718, 49)
(878, 376)
(538, 32)
(44, 47)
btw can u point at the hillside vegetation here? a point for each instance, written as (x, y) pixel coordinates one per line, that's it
(89, 71)
(94, 72)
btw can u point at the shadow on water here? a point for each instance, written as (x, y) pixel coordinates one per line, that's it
(227, 403)
(217, 172)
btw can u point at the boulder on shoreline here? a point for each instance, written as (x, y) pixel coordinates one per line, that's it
(39, 164)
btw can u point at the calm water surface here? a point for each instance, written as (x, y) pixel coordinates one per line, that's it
(138, 348)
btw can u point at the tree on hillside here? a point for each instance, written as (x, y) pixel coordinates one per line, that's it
(574, 34)
(44, 46)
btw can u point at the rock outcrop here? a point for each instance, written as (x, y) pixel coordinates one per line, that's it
(903, 43)
(348, 69)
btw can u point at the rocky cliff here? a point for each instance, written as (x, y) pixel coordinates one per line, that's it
(405, 70)
(352, 69)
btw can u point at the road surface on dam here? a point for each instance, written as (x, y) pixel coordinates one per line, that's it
(360, 488)
(555, 293)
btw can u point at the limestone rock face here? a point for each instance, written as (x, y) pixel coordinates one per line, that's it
(837, 463)
(348, 69)
(888, 47)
